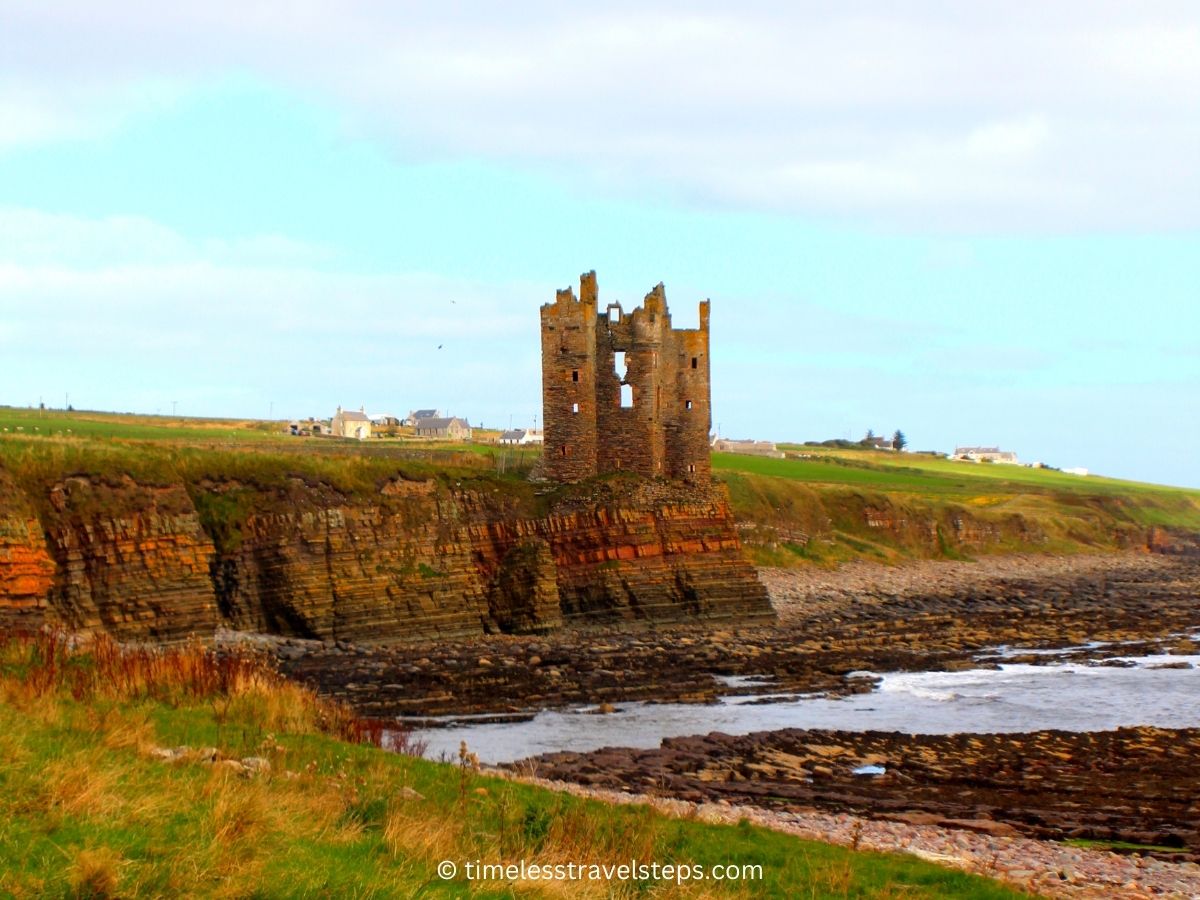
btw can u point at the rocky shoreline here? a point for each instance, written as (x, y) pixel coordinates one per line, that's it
(1132, 785)
(988, 803)
(923, 617)
(1049, 868)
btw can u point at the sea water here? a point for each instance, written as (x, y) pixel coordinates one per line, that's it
(1013, 698)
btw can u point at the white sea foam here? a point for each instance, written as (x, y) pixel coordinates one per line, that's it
(1015, 697)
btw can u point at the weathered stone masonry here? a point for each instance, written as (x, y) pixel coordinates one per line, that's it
(648, 413)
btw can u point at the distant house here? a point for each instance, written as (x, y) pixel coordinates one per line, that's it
(986, 454)
(1076, 470)
(749, 448)
(383, 420)
(452, 429)
(350, 424)
(522, 436)
(878, 442)
(416, 415)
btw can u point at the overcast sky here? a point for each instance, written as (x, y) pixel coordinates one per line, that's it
(978, 222)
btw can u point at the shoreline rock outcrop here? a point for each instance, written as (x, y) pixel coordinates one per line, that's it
(416, 558)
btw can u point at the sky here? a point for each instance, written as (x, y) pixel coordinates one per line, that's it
(977, 223)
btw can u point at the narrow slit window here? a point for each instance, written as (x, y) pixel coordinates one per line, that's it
(574, 374)
(574, 407)
(695, 363)
(564, 449)
(627, 396)
(687, 404)
(619, 365)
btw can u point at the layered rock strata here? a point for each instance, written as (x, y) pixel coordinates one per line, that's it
(26, 569)
(830, 624)
(1134, 784)
(413, 559)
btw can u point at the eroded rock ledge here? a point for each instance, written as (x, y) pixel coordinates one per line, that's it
(431, 558)
(1132, 784)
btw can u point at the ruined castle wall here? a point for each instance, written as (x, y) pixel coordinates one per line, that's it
(568, 384)
(664, 430)
(689, 418)
(630, 438)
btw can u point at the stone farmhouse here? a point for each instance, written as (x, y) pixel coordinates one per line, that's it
(452, 429)
(416, 415)
(623, 391)
(350, 424)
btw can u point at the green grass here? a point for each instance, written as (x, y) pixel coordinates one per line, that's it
(119, 426)
(1121, 846)
(828, 506)
(814, 507)
(928, 474)
(87, 810)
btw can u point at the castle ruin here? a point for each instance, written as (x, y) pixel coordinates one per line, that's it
(623, 391)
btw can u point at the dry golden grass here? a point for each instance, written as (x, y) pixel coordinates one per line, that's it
(107, 813)
(82, 784)
(95, 873)
(240, 685)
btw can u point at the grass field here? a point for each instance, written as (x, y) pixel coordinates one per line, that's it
(827, 506)
(929, 474)
(819, 505)
(118, 426)
(90, 808)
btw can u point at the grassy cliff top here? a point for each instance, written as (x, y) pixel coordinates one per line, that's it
(816, 505)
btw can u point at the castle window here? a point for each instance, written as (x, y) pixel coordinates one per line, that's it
(692, 467)
(687, 404)
(564, 450)
(695, 362)
(614, 314)
(627, 396)
(574, 407)
(620, 366)
(575, 375)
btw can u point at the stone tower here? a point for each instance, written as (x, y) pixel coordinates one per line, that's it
(623, 391)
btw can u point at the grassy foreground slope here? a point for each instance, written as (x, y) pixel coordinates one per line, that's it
(175, 773)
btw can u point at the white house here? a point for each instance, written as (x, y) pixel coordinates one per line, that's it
(522, 436)
(986, 454)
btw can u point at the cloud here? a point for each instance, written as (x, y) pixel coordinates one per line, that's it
(130, 308)
(982, 116)
(33, 238)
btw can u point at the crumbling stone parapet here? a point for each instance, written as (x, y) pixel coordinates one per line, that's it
(623, 391)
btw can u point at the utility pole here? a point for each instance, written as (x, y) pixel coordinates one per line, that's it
(271, 410)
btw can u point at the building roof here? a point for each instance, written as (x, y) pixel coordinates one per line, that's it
(442, 423)
(349, 415)
(514, 435)
(423, 414)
